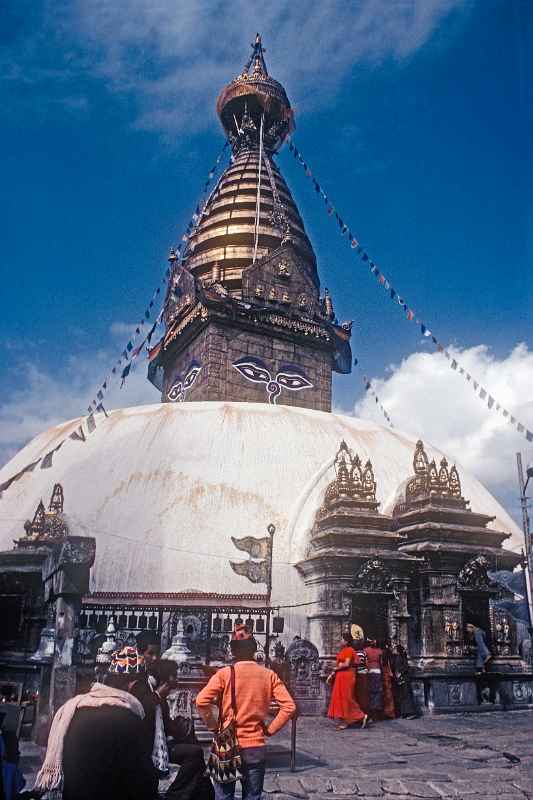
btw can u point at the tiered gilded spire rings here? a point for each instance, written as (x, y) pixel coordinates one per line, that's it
(225, 237)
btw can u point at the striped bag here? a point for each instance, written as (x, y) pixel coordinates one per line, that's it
(224, 764)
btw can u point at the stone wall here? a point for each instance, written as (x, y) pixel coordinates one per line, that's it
(218, 346)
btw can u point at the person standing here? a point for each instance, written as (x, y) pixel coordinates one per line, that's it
(403, 693)
(96, 747)
(361, 669)
(483, 654)
(374, 656)
(343, 705)
(255, 688)
(389, 711)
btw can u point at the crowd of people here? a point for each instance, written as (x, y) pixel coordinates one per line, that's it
(119, 738)
(369, 683)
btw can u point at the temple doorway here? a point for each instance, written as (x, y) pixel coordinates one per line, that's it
(475, 607)
(370, 611)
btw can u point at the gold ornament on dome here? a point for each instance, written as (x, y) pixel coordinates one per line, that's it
(353, 481)
(46, 527)
(429, 480)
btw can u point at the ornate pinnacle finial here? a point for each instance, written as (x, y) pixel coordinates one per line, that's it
(57, 499)
(432, 481)
(266, 99)
(352, 480)
(258, 58)
(420, 460)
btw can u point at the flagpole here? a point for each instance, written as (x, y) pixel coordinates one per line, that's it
(527, 538)
(271, 531)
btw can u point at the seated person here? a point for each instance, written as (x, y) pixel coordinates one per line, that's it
(190, 782)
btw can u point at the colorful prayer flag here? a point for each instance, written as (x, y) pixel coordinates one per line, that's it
(78, 435)
(46, 463)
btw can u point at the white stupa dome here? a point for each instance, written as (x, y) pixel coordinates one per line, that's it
(164, 487)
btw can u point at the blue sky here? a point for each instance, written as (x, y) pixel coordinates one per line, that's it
(415, 117)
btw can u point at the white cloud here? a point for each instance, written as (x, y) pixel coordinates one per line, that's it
(173, 57)
(122, 330)
(426, 398)
(44, 398)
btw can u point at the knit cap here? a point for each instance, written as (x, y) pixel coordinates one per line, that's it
(241, 633)
(127, 661)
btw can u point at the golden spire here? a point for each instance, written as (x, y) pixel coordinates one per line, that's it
(233, 217)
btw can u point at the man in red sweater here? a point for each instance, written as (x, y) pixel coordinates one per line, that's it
(255, 687)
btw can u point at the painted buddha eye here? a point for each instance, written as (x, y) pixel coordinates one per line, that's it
(175, 393)
(253, 370)
(293, 381)
(191, 377)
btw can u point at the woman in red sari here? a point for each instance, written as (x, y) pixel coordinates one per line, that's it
(343, 706)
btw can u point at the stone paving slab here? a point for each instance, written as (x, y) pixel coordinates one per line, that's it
(460, 757)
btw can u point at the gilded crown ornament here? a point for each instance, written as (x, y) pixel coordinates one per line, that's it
(432, 481)
(353, 481)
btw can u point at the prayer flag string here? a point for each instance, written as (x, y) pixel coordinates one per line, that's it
(395, 296)
(367, 383)
(131, 353)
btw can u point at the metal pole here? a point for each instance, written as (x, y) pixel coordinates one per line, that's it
(527, 538)
(271, 531)
(258, 201)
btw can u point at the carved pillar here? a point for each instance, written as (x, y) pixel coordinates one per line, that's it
(398, 613)
(66, 580)
(441, 629)
(328, 622)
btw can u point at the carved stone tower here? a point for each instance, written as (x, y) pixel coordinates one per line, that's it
(244, 317)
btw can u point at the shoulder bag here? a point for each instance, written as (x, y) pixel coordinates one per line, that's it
(224, 764)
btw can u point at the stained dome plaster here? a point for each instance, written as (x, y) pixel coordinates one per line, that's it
(163, 488)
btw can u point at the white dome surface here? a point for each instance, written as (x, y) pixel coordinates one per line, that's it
(162, 488)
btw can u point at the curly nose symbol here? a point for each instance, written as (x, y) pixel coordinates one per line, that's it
(273, 389)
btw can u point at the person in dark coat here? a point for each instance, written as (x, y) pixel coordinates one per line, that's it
(403, 693)
(96, 747)
(483, 654)
(191, 782)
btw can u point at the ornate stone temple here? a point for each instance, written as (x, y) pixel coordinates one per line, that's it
(416, 575)
(158, 514)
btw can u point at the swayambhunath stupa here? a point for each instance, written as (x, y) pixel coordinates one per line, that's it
(241, 496)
